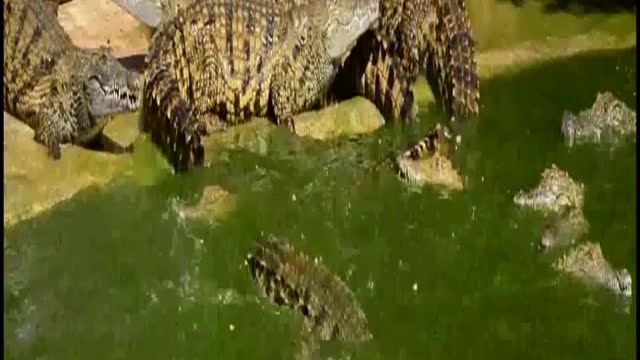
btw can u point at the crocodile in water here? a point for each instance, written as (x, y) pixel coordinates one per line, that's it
(290, 278)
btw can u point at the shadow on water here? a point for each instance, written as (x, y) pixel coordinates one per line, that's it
(117, 274)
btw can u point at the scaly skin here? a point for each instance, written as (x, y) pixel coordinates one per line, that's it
(426, 162)
(564, 228)
(64, 93)
(555, 192)
(608, 120)
(561, 200)
(587, 264)
(429, 37)
(220, 62)
(289, 278)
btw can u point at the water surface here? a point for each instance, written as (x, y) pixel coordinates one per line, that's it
(114, 273)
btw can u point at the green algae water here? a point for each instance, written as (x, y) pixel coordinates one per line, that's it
(116, 273)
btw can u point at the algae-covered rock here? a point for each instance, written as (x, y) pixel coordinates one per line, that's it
(33, 182)
(215, 203)
(351, 117)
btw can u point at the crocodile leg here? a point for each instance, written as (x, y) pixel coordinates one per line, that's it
(291, 97)
(50, 129)
(44, 135)
(449, 62)
(177, 126)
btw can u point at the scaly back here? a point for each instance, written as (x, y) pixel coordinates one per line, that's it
(34, 43)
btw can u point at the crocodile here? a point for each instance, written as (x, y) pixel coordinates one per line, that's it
(426, 162)
(563, 229)
(586, 263)
(429, 37)
(555, 191)
(289, 278)
(608, 120)
(66, 94)
(217, 63)
(561, 201)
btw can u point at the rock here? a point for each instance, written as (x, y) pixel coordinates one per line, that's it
(215, 204)
(351, 117)
(33, 182)
(93, 23)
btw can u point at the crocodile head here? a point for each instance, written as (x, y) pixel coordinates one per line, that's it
(555, 191)
(624, 282)
(344, 21)
(108, 87)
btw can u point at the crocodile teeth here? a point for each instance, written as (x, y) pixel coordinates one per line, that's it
(123, 95)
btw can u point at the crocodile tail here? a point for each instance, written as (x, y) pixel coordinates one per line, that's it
(167, 117)
(449, 59)
(387, 87)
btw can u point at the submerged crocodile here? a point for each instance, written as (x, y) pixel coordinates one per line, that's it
(608, 120)
(555, 191)
(561, 200)
(218, 62)
(426, 162)
(64, 93)
(290, 278)
(586, 263)
(431, 37)
(564, 228)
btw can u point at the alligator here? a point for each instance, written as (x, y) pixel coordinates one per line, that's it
(289, 278)
(561, 200)
(429, 37)
(66, 94)
(586, 263)
(608, 120)
(219, 62)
